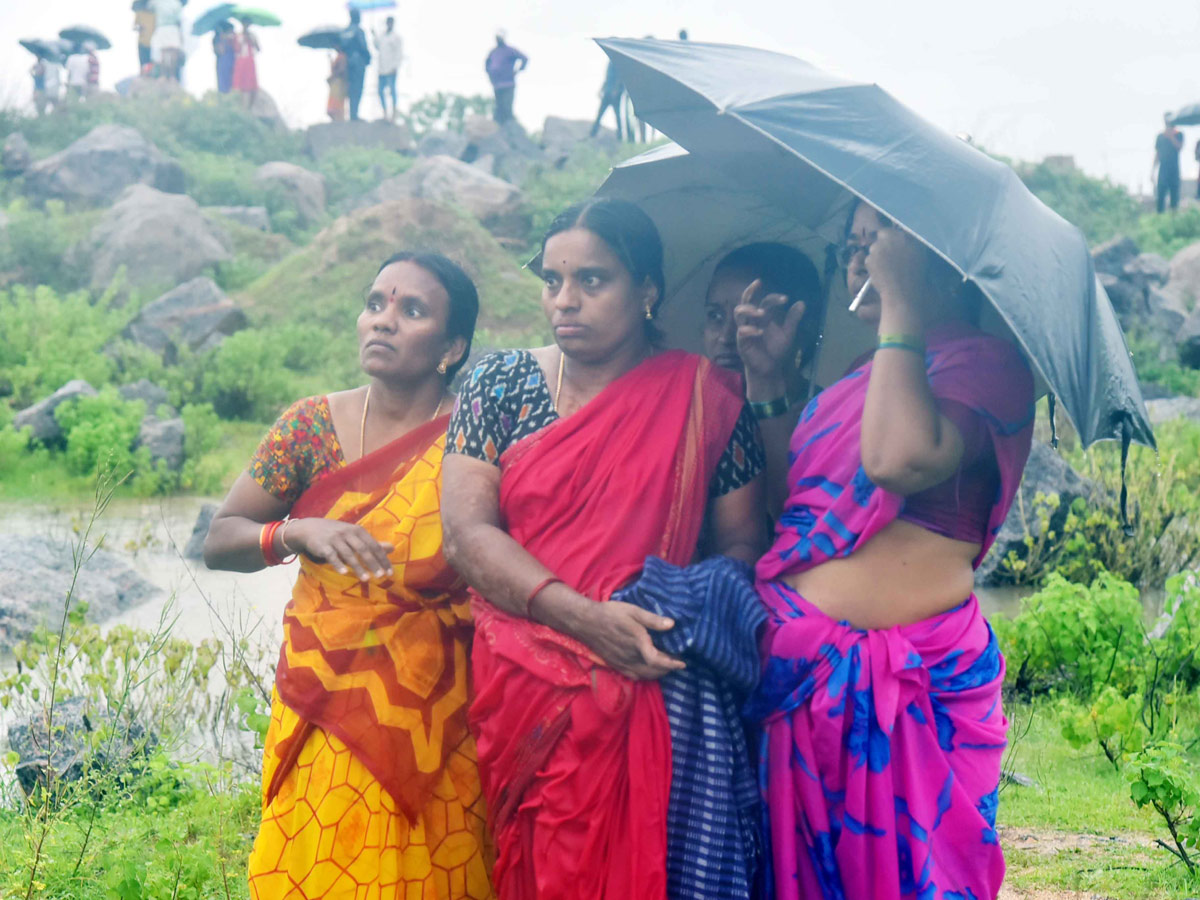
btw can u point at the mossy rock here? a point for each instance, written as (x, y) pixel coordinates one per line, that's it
(324, 283)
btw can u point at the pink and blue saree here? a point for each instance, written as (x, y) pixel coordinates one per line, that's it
(880, 758)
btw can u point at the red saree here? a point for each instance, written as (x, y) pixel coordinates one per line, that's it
(575, 758)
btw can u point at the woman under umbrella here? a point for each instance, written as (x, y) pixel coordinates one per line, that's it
(245, 69)
(225, 50)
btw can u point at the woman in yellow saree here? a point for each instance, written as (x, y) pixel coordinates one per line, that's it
(370, 785)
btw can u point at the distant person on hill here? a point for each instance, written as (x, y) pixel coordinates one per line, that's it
(502, 66)
(224, 44)
(77, 73)
(39, 85)
(168, 36)
(358, 57)
(1166, 164)
(245, 69)
(339, 88)
(683, 34)
(391, 54)
(93, 72)
(610, 98)
(53, 84)
(143, 24)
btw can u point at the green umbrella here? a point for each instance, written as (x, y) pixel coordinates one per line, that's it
(254, 16)
(209, 20)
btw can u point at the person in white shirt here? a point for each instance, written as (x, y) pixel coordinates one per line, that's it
(78, 66)
(53, 84)
(391, 54)
(167, 39)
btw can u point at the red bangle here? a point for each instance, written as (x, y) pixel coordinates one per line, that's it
(541, 586)
(266, 543)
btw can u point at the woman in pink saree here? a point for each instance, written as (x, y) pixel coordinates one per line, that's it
(880, 696)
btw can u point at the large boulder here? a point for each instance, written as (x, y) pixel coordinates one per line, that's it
(196, 315)
(35, 578)
(1112, 256)
(164, 439)
(443, 179)
(560, 138)
(195, 544)
(327, 136)
(504, 150)
(62, 749)
(40, 417)
(304, 189)
(266, 110)
(443, 143)
(160, 239)
(95, 169)
(1185, 276)
(146, 391)
(15, 157)
(1048, 473)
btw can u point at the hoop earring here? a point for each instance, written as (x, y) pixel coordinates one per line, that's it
(442, 367)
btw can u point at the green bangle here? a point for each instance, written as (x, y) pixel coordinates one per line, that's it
(910, 342)
(770, 409)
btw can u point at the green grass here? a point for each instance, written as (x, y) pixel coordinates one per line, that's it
(1091, 836)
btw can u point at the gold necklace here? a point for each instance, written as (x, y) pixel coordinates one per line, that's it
(562, 357)
(362, 426)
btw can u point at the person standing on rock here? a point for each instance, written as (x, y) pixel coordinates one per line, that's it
(610, 98)
(335, 107)
(39, 85)
(245, 69)
(225, 50)
(391, 54)
(370, 781)
(168, 36)
(77, 73)
(358, 57)
(1166, 164)
(502, 66)
(143, 24)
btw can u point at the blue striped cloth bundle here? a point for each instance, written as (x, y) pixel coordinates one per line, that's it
(713, 821)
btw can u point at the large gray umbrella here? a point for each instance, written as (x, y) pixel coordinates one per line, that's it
(807, 143)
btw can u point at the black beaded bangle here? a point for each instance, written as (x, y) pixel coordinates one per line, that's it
(770, 409)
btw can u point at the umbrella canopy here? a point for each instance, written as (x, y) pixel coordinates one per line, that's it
(367, 5)
(254, 16)
(85, 34)
(327, 37)
(49, 50)
(1188, 115)
(210, 19)
(809, 143)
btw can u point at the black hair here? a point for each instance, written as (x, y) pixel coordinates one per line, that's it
(355, 17)
(784, 270)
(464, 298)
(629, 233)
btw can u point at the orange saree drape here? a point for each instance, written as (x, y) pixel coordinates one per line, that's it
(575, 758)
(370, 785)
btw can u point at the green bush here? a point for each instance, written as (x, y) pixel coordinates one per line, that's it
(1169, 375)
(1164, 778)
(100, 432)
(1166, 235)
(1098, 207)
(442, 110)
(253, 379)
(36, 245)
(217, 179)
(353, 171)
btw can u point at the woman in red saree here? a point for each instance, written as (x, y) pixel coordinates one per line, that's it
(566, 467)
(370, 786)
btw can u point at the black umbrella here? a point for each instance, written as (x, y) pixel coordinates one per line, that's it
(85, 34)
(809, 143)
(1189, 115)
(51, 51)
(327, 37)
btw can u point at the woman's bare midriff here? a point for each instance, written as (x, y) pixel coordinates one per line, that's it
(903, 574)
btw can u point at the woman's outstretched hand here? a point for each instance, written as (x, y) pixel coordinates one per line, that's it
(620, 634)
(344, 546)
(766, 333)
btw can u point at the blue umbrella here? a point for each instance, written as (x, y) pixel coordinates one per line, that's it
(211, 18)
(808, 143)
(368, 5)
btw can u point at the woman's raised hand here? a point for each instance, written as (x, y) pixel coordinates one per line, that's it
(766, 332)
(344, 546)
(896, 265)
(620, 634)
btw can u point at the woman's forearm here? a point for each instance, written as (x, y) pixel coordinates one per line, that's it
(233, 545)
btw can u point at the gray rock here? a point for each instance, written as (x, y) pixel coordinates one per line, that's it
(160, 239)
(304, 189)
(327, 136)
(560, 137)
(51, 751)
(40, 416)
(514, 153)
(1185, 277)
(95, 169)
(1048, 473)
(1148, 268)
(195, 544)
(495, 203)
(255, 217)
(1168, 409)
(478, 128)
(443, 143)
(196, 315)
(1112, 256)
(15, 157)
(147, 391)
(164, 439)
(266, 111)
(35, 578)
(1125, 298)
(1188, 341)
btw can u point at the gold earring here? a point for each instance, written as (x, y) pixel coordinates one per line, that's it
(442, 367)
(649, 314)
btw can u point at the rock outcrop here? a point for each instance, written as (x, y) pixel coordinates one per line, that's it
(303, 189)
(196, 315)
(15, 158)
(322, 138)
(39, 418)
(98, 167)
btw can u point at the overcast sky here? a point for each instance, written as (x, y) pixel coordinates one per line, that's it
(1026, 78)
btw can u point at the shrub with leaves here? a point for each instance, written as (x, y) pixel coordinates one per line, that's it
(1162, 777)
